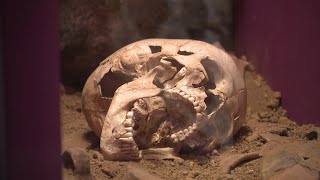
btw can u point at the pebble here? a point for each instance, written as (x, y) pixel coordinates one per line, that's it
(277, 94)
(179, 161)
(95, 156)
(273, 103)
(184, 173)
(215, 152)
(194, 174)
(107, 172)
(280, 131)
(311, 135)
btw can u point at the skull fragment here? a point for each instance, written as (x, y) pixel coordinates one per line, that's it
(161, 96)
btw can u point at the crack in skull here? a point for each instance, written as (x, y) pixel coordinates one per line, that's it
(173, 100)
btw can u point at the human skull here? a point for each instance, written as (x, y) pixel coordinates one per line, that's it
(164, 95)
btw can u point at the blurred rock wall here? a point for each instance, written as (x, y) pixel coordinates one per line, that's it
(92, 30)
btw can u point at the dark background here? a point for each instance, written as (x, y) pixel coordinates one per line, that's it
(281, 37)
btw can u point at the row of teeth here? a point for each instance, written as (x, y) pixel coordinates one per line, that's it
(183, 134)
(128, 145)
(186, 96)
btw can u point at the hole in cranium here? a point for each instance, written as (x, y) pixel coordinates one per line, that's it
(174, 63)
(213, 71)
(111, 82)
(212, 101)
(185, 53)
(155, 49)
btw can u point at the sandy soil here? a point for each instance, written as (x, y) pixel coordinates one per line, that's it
(267, 126)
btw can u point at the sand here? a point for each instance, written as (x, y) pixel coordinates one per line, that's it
(267, 126)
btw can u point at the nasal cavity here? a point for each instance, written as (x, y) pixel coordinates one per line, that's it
(155, 49)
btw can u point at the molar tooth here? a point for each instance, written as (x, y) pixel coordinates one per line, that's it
(128, 122)
(198, 109)
(194, 126)
(127, 140)
(128, 129)
(199, 116)
(126, 135)
(176, 91)
(182, 137)
(117, 136)
(173, 136)
(130, 114)
(186, 96)
(182, 93)
(185, 131)
(190, 128)
(192, 99)
(196, 103)
(175, 140)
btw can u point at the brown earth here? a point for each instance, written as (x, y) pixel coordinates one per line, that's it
(268, 133)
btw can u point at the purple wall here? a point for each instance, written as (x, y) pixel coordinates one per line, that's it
(31, 87)
(282, 38)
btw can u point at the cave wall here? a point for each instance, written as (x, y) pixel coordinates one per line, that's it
(91, 30)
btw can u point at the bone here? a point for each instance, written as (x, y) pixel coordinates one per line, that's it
(147, 76)
(159, 153)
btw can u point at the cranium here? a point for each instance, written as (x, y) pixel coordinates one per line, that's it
(161, 95)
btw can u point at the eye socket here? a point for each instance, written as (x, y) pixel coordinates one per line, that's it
(111, 82)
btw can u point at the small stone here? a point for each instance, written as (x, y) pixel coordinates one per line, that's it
(297, 172)
(229, 177)
(184, 173)
(108, 172)
(194, 174)
(179, 161)
(255, 117)
(263, 114)
(215, 152)
(277, 94)
(280, 131)
(258, 82)
(273, 119)
(273, 103)
(311, 135)
(77, 159)
(277, 159)
(250, 171)
(191, 163)
(95, 156)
